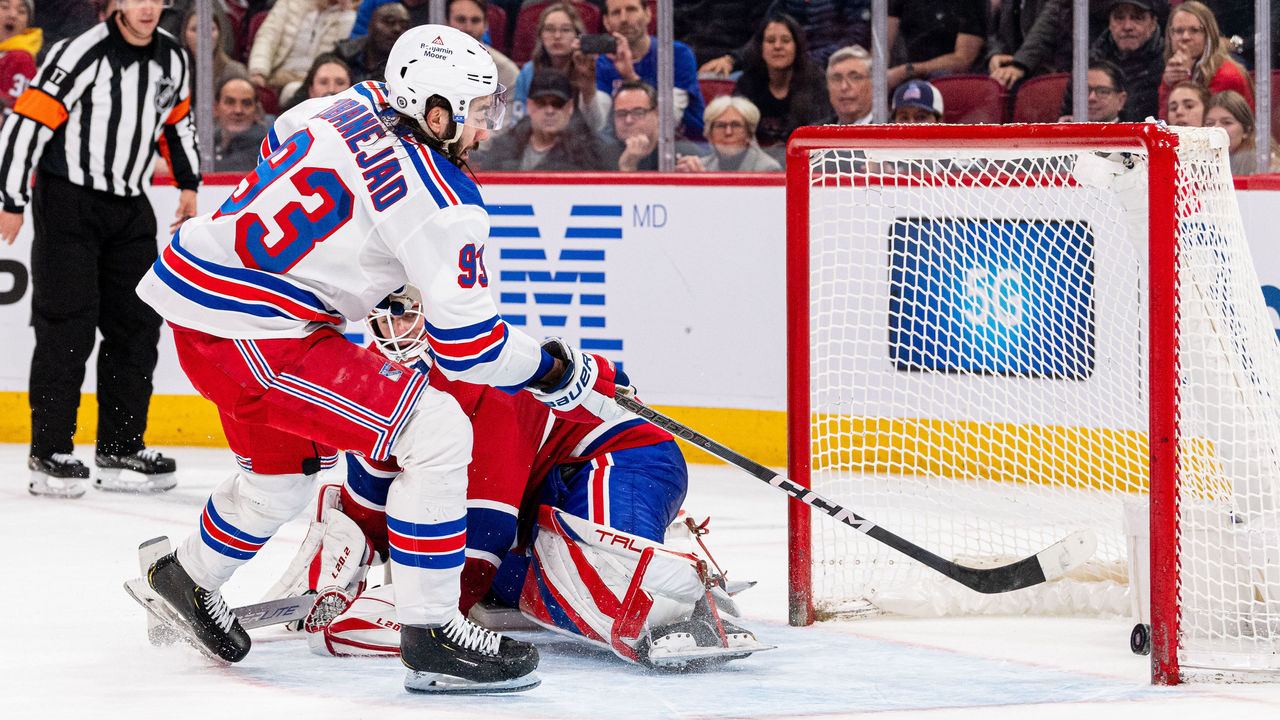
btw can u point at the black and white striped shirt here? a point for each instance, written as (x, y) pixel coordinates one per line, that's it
(97, 111)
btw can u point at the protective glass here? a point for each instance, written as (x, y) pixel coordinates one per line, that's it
(486, 112)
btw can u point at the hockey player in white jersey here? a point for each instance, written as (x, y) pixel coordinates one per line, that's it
(357, 194)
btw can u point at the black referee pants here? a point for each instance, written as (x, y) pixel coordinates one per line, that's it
(90, 251)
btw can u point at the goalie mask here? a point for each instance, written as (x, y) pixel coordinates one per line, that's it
(431, 60)
(399, 329)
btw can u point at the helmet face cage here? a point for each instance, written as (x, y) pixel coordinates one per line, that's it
(401, 337)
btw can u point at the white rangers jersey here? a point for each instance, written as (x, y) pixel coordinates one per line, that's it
(338, 214)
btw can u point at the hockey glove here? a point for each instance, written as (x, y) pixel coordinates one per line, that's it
(586, 389)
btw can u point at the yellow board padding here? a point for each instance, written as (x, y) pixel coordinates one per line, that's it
(192, 420)
(1006, 452)
(174, 420)
(1064, 456)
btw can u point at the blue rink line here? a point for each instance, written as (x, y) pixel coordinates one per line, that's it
(811, 673)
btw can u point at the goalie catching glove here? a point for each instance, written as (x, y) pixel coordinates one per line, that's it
(587, 385)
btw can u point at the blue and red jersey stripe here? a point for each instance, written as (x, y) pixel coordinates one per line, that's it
(225, 538)
(432, 546)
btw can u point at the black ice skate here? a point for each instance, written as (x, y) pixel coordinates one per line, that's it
(148, 471)
(697, 643)
(462, 657)
(201, 616)
(64, 469)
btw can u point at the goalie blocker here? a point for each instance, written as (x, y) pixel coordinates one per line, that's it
(647, 602)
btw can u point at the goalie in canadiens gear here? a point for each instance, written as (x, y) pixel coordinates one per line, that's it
(575, 523)
(357, 194)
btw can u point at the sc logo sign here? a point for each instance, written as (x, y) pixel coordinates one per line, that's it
(20, 276)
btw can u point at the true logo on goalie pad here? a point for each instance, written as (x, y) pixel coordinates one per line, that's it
(391, 372)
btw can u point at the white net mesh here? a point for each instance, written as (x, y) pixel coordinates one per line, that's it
(979, 384)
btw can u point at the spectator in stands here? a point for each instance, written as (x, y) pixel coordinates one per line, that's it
(941, 37)
(240, 127)
(293, 34)
(849, 86)
(1187, 104)
(60, 19)
(781, 81)
(1194, 50)
(471, 17)
(559, 27)
(635, 124)
(366, 56)
(828, 25)
(714, 28)
(328, 75)
(19, 45)
(173, 20)
(1029, 38)
(916, 102)
(1229, 111)
(553, 135)
(731, 127)
(223, 66)
(1107, 94)
(637, 59)
(1132, 42)
(419, 14)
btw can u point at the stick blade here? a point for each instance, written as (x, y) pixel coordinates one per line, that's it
(1067, 554)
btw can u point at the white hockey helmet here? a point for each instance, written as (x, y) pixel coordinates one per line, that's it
(439, 60)
(400, 329)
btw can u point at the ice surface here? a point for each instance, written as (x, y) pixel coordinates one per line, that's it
(72, 644)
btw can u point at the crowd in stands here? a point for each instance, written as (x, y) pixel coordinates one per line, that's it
(746, 73)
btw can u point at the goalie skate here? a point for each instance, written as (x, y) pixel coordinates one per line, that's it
(701, 643)
(145, 471)
(461, 657)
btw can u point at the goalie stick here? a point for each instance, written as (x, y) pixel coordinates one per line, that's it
(1052, 562)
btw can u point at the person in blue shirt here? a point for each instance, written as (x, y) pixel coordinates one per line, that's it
(637, 59)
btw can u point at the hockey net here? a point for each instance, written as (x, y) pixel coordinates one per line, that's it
(987, 327)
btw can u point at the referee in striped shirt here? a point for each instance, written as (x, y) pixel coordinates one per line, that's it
(89, 126)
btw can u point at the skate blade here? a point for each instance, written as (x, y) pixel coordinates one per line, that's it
(67, 488)
(441, 684)
(170, 620)
(117, 480)
(680, 658)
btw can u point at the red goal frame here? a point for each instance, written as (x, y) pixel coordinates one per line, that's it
(1160, 145)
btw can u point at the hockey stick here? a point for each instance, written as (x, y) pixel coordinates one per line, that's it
(1052, 562)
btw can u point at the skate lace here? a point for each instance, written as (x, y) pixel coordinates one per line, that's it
(472, 636)
(64, 459)
(148, 454)
(218, 610)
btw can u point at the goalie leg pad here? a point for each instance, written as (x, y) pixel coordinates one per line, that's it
(335, 553)
(604, 585)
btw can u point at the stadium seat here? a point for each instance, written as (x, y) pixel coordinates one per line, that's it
(526, 32)
(1039, 99)
(971, 99)
(268, 99)
(497, 18)
(255, 22)
(714, 86)
(1275, 103)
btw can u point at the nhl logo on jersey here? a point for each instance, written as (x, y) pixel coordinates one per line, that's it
(166, 93)
(390, 371)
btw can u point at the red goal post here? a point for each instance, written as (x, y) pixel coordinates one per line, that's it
(987, 319)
